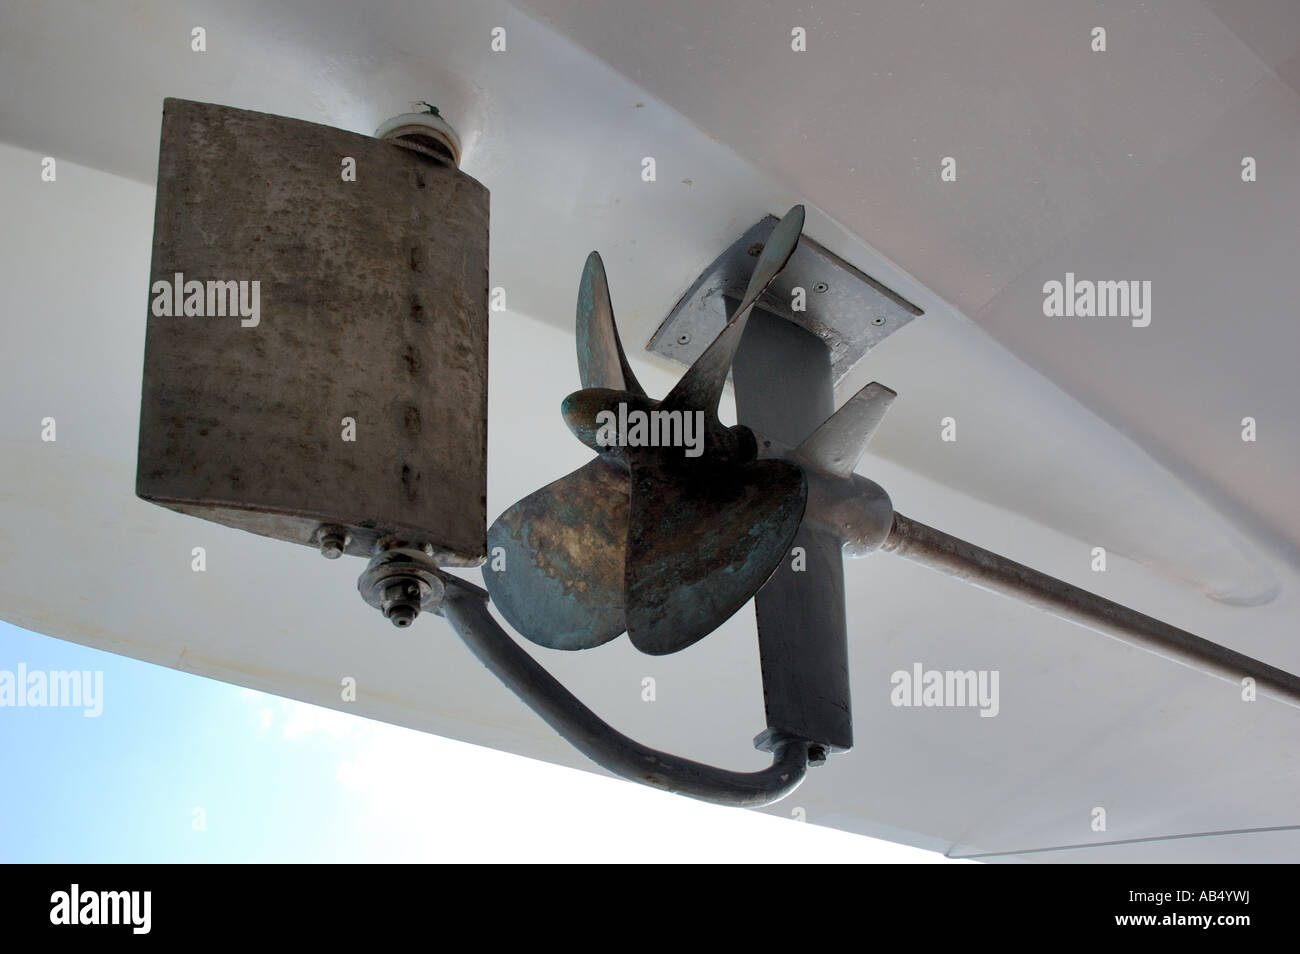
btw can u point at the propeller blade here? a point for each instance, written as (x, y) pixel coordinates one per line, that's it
(601, 361)
(702, 385)
(703, 538)
(840, 441)
(565, 548)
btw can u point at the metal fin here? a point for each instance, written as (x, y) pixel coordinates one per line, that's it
(702, 385)
(601, 360)
(841, 440)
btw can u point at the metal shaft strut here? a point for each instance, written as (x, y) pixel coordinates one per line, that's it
(466, 607)
(940, 551)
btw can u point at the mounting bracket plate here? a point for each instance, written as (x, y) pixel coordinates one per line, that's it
(848, 309)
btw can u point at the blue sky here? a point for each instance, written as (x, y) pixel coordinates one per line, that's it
(179, 768)
(125, 786)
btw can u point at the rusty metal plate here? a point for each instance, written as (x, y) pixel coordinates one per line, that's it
(349, 386)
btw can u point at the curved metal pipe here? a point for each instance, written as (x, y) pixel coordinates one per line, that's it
(913, 540)
(465, 606)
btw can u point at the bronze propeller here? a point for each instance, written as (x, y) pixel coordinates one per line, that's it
(660, 539)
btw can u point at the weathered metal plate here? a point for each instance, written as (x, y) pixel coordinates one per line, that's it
(850, 311)
(371, 307)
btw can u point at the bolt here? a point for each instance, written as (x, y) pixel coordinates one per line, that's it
(332, 542)
(401, 601)
(403, 615)
(400, 584)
